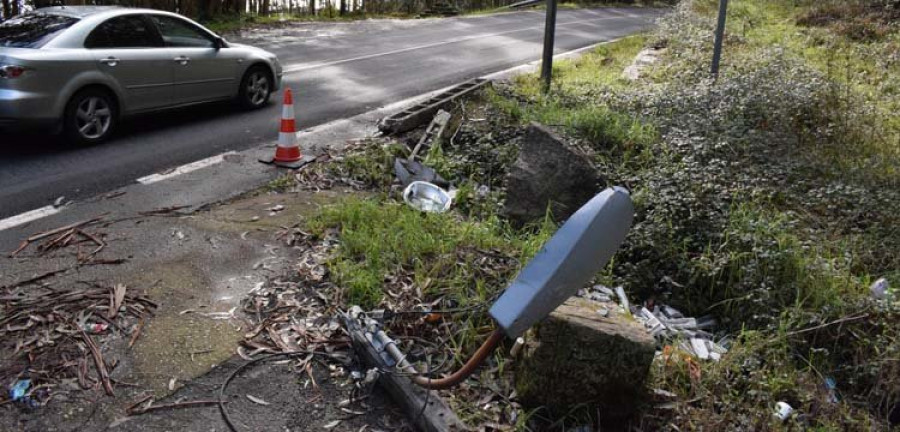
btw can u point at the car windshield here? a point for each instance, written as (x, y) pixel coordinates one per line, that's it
(32, 30)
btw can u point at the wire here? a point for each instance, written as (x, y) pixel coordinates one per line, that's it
(224, 387)
(224, 411)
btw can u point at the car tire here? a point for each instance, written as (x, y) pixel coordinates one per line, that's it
(90, 117)
(256, 88)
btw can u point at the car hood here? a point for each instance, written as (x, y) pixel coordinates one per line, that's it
(250, 48)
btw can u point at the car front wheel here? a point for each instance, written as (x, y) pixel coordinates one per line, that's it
(90, 117)
(256, 87)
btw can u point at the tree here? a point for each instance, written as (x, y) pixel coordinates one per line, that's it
(7, 9)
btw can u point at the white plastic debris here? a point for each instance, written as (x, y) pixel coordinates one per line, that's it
(665, 323)
(700, 348)
(783, 411)
(517, 347)
(653, 324)
(623, 299)
(879, 289)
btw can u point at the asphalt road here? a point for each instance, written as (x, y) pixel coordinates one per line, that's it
(336, 70)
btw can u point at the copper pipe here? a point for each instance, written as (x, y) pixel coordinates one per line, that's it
(457, 377)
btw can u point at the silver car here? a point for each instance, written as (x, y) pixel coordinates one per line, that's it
(82, 68)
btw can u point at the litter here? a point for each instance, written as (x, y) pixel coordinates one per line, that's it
(517, 347)
(783, 411)
(20, 389)
(623, 299)
(699, 347)
(879, 289)
(257, 400)
(831, 386)
(95, 328)
(409, 171)
(427, 197)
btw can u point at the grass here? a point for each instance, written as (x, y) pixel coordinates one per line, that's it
(437, 251)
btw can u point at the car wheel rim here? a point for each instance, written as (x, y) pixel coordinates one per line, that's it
(257, 88)
(93, 117)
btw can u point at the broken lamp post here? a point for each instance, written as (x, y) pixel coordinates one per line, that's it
(566, 263)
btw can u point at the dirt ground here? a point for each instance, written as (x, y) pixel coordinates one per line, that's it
(197, 267)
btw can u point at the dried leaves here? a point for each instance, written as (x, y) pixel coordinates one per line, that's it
(47, 330)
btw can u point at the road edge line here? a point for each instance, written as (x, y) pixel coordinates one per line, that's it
(184, 169)
(29, 216)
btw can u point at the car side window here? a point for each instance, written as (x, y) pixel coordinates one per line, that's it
(180, 33)
(129, 31)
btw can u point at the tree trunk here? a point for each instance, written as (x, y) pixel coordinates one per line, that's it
(312, 7)
(343, 7)
(264, 9)
(7, 9)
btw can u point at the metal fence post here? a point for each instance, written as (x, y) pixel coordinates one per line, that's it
(549, 34)
(720, 34)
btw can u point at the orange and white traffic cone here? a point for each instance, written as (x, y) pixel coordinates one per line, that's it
(287, 153)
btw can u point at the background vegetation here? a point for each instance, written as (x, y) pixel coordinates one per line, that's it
(768, 197)
(228, 14)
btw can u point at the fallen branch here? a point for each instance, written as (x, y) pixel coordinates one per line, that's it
(45, 234)
(98, 362)
(36, 278)
(828, 324)
(188, 404)
(162, 211)
(136, 333)
(105, 261)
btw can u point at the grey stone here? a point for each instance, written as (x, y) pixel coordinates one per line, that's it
(547, 173)
(577, 356)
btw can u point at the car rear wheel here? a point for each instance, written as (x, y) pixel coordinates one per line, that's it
(256, 87)
(90, 117)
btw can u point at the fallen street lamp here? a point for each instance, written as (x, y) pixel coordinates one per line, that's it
(566, 263)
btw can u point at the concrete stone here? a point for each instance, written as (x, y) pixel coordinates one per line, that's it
(547, 173)
(578, 356)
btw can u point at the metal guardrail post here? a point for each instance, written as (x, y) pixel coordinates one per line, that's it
(549, 35)
(720, 34)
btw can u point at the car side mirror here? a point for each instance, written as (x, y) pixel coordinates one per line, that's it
(219, 43)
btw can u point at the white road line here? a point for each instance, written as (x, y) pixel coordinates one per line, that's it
(26, 217)
(184, 169)
(302, 67)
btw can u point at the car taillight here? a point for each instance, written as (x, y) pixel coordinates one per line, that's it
(11, 71)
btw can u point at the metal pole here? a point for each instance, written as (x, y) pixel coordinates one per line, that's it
(549, 34)
(720, 34)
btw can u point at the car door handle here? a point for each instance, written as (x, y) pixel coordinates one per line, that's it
(183, 60)
(110, 61)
